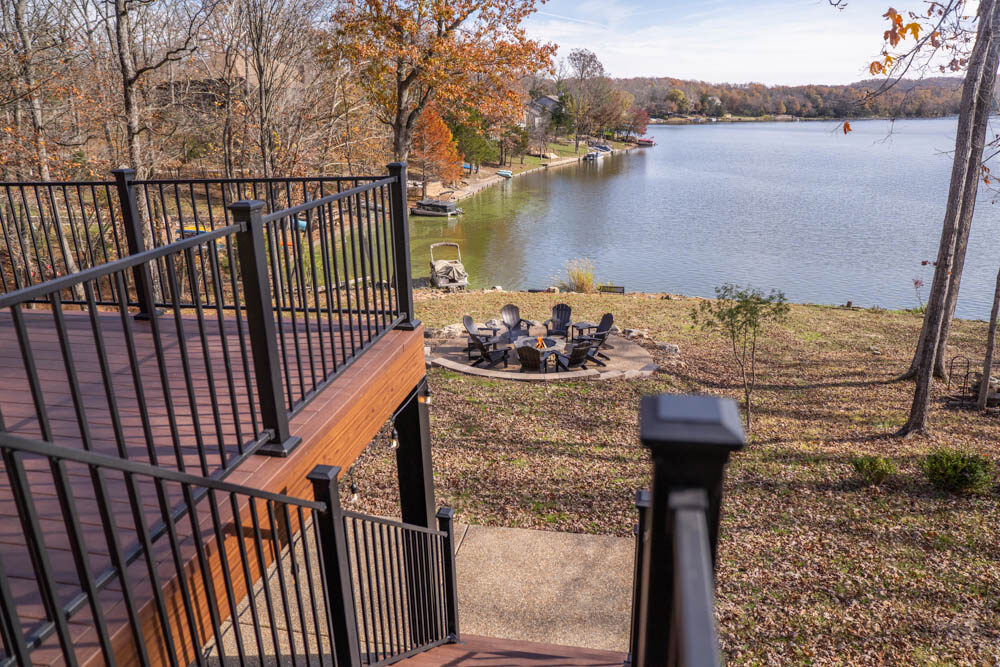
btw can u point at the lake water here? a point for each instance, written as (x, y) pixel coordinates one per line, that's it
(799, 207)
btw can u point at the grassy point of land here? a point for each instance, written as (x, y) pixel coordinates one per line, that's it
(814, 566)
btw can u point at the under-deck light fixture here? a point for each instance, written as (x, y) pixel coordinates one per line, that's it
(394, 443)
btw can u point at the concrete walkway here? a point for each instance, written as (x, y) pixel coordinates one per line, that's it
(543, 586)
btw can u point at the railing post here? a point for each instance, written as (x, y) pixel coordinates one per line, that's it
(690, 439)
(401, 242)
(252, 253)
(641, 531)
(333, 548)
(446, 523)
(132, 222)
(414, 467)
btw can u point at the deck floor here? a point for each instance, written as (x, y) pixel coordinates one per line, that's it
(490, 652)
(193, 434)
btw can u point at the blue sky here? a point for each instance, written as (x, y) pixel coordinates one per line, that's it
(768, 41)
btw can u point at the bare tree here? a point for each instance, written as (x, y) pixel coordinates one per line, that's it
(977, 100)
(586, 79)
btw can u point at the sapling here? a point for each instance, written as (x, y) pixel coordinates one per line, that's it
(740, 314)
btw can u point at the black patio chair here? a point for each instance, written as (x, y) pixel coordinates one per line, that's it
(579, 354)
(559, 323)
(473, 330)
(533, 359)
(489, 354)
(599, 338)
(510, 315)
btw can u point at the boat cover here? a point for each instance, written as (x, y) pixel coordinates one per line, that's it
(450, 269)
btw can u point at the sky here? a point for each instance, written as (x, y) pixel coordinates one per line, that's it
(768, 41)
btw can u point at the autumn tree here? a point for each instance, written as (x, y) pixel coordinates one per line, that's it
(435, 151)
(636, 123)
(459, 54)
(679, 99)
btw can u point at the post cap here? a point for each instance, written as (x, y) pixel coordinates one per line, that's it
(642, 499)
(246, 205)
(674, 420)
(446, 513)
(322, 473)
(395, 165)
(128, 171)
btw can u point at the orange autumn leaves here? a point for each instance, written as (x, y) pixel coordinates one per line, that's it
(434, 149)
(897, 32)
(466, 56)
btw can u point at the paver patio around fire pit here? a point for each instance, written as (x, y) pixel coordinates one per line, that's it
(628, 359)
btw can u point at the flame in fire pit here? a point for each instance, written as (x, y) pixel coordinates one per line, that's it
(540, 344)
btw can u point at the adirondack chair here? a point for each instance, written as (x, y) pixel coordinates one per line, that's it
(533, 359)
(510, 315)
(599, 338)
(489, 354)
(473, 330)
(579, 353)
(559, 323)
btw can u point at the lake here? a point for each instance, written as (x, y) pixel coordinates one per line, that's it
(798, 207)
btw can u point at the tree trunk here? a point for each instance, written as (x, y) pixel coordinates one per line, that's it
(961, 245)
(984, 385)
(977, 98)
(28, 80)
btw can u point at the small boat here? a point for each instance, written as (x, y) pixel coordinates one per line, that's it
(448, 274)
(593, 156)
(506, 173)
(644, 141)
(604, 148)
(436, 208)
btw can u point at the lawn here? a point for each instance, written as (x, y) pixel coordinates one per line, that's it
(814, 566)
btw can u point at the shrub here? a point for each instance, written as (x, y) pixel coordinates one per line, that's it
(579, 276)
(741, 314)
(956, 471)
(873, 469)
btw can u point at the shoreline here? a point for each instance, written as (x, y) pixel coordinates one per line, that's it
(425, 291)
(489, 181)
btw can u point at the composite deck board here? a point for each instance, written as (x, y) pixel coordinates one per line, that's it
(489, 652)
(334, 428)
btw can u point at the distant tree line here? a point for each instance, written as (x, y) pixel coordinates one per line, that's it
(664, 96)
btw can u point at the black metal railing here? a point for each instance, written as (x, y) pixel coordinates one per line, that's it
(394, 582)
(193, 570)
(212, 341)
(50, 230)
(690, 439)
(53, 229)
(129, 387)
(181, 569)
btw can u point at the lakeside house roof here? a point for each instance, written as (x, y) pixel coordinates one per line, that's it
(547, 103)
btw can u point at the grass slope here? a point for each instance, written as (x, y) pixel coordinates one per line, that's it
(813, 566)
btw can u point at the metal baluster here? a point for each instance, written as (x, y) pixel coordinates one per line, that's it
(347, 282)
(71, 519)
(185, 358)
(207, 360)
(262, 569)
(119, 563)
(27, 512)
(247, 576)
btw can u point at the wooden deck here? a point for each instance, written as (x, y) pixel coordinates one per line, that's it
(489, 652)
(335, 428)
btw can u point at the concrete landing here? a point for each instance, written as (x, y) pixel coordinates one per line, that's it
(542, 586)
